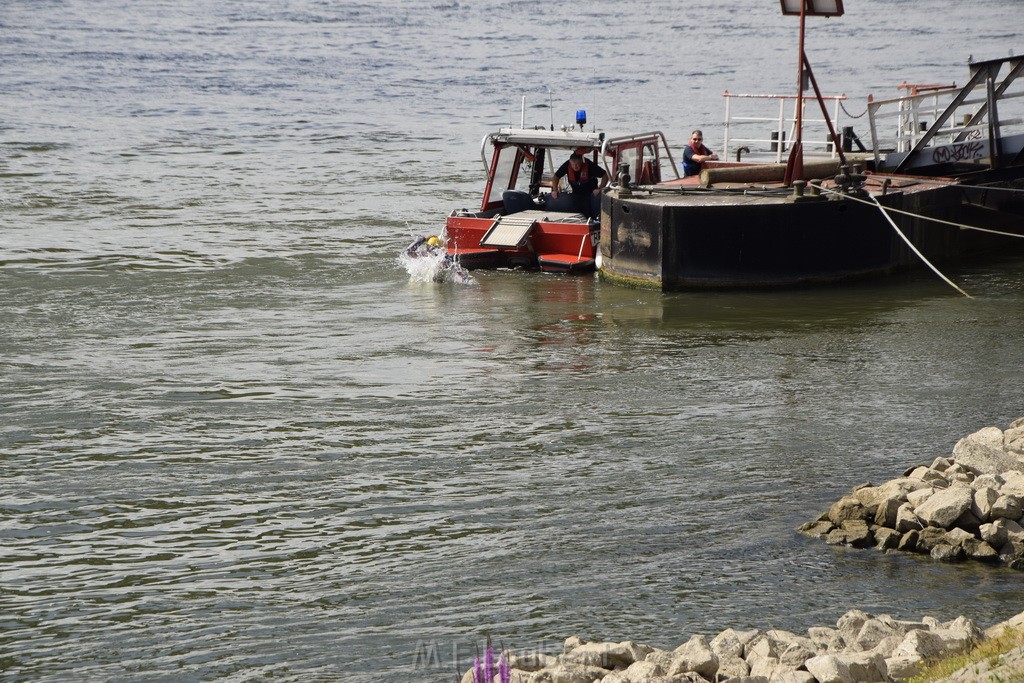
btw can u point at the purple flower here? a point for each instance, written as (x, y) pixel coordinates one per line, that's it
(489, 663)
(484, 671)
(504, 670)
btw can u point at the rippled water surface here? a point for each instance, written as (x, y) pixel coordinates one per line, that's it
(238, 439)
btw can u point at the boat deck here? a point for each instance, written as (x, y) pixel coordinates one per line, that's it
(689, 191)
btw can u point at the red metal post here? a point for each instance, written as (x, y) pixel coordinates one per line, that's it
(795, 164)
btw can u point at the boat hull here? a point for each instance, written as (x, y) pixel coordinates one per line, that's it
(737, 241)
(546, 245)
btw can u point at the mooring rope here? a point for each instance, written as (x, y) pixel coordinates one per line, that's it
(962, 226)
(914, 249)
(911, 181)
(916, 180)
(885, 212)
(768, 192)
(992, 188)
(904, 237)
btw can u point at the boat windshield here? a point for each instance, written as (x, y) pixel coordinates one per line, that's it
(643, 160)
(503, 169)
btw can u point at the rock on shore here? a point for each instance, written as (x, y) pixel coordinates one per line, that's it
(968, 505)
(861, 647)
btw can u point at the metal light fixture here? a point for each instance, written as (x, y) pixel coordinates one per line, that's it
(813, 8)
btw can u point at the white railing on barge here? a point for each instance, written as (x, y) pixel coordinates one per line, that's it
(913, 114)
(963, 124)
(739, 128)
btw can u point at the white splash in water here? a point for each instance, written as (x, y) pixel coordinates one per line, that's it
(425, 264)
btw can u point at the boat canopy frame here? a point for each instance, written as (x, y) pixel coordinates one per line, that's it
(644, 151)
(540, 137)
(632, 148)
(529, 144)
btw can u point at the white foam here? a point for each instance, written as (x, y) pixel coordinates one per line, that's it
(433, 265)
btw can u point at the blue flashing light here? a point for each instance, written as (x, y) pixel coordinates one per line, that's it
(581, 117)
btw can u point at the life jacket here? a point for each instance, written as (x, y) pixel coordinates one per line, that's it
(581, 176)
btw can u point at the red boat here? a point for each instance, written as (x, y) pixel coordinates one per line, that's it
(519, 225)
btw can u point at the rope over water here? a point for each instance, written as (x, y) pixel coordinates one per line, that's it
(914, 249)
(905, 239)
(962, 226)
(885, 212)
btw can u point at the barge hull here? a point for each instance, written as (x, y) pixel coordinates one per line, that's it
(692, 242)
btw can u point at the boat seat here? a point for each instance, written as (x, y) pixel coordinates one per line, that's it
(482, 250)
(478, 258)
(565, 263)
(515, 201)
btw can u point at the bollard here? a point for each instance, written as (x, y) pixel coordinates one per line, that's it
(847, 138)
(775, 141)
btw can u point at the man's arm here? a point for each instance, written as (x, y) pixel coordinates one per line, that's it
(707, 156)
(557, 177)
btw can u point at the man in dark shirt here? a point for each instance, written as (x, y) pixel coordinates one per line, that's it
(696, 154)
(586, 179)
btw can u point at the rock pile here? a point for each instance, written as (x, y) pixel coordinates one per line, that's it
(967, 505)
(862, 647)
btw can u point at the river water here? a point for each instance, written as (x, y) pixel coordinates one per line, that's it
(240, 440)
